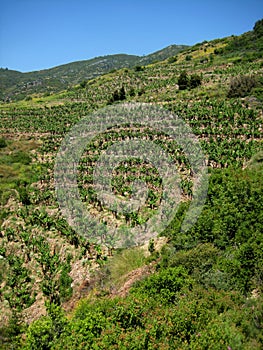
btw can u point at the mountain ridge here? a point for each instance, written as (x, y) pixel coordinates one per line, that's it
(17, 85)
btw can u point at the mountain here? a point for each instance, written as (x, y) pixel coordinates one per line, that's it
(15, 85)
(161, 55)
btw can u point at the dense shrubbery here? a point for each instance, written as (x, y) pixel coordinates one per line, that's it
(201, 319)
(199, 298)
(189, 82)
(242, 85)
(2, 142)
(118, 95)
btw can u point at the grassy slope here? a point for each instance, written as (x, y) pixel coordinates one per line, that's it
(230, 131)
(16, 85)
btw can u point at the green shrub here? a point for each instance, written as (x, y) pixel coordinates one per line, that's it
(172, 59)
(219, 334)
(218, 51)
(138, 68)
(165, 284)
(40, 335)
(118, 95)
(241, 85)
(183, 81)
(2, 142)
(20, 157)
(195, 80)
(45, 332)
(199, 258)
(189, 82)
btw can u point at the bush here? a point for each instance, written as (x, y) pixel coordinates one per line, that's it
(241, 85)
(218, 51)
(83, 84)
(189, 82)
(138, 68)
(21, 157)
(118, 95)
(40, 335)
(165, 284)
(2, 142)
(195, 80)
(183, 81)
(172, 59)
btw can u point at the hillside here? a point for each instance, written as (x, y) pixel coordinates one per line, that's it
(197, 289)
(16, 85)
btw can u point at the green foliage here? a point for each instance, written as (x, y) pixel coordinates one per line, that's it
(3, 143)
(183, 81)
(138, 68)
(17, 291)
(16, 157)
(218, 51)
(233, 211)
(18, 286)
(195, 80)
(151, 248)
(241, 86)
(172, 59)
(206, 292)
(23, 190)
(199, 258)
(83, 84)
(186, 82)
(56, 283)
(165, 284)
(44, 333)
(258, 28)
(201, 319)
(116, 269)
(40, 335)
(118, 95)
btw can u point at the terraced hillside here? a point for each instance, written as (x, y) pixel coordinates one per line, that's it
(193, 290)
(16, 85)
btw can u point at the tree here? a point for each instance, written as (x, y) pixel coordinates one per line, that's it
(241, 85)
(183, 81)
(83, 84)
(118, 95)
(186, 82)
(122, 94)
(195, 80)
(138, 68)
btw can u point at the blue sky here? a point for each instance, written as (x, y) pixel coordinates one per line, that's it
(39, 34)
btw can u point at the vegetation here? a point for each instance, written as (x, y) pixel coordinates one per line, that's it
(16, 85)
(241, 86)
(202, 289)
(186, 82)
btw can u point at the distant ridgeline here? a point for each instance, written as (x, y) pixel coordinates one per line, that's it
(15, 85)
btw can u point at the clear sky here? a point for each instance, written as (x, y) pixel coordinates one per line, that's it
(39, 34)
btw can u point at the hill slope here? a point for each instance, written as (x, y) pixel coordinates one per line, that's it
(17, 85)
(203, 289)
